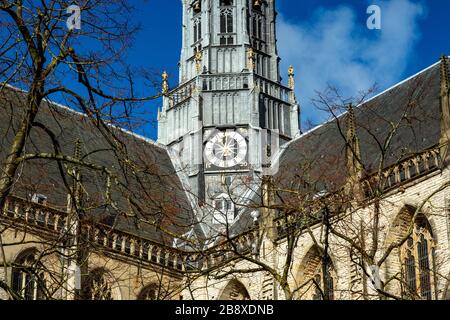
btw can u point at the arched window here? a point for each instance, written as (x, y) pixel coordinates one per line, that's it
(417, 261)
(99, 286)
(234, 290)
(226, 20)
(152, 292)
(197, 30)
(257, 27)
(316, 277)
(324, 283)
(28, 276)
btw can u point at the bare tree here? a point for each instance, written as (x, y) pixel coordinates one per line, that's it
(102, 172)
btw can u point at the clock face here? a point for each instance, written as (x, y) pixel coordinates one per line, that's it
(226, 149)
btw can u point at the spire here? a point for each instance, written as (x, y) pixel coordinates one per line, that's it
(76, 173)
(77, 151)
(445, 106)
(445, 82)
(353, 152)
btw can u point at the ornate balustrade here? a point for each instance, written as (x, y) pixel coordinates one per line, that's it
(104, 238)
(218, 82)
(226, 82)
(412, 167)
(34, 214)
(273, 89)
(132, 246)
(181, 93)
(394, 176)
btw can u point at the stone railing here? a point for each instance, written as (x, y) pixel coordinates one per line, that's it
(35, 214)
(404, 171)
(218, 82)
(181, 93)
(104, 238)
(411, 168)
(273, 89)
(225, 82)
(242, 245)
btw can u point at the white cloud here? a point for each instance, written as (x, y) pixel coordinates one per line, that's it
(334, 46)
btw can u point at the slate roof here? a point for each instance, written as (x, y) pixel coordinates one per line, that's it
(318, 157)
(321, 153)
(156, 187)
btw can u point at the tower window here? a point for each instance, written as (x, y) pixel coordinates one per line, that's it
(197, 30)
(226, 21)
(257, 26)
(226, 3)
(227, 40)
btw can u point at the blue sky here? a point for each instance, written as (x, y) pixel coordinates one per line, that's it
(327, 41)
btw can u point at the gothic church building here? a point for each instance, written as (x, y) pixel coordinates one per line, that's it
(237, 202)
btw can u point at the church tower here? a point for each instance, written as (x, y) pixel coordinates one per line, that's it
(230, 111)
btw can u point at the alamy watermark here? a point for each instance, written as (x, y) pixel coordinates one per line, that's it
(74, 21)
(374, 20)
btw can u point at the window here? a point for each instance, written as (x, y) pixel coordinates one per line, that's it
(218, 205)
(234, 290)
(225, 210)
(150, 292)
(227, 181)
(324, 283)
(226, 3)
(257, 26)
(27, 277)
(417, 256)
(39, 198)
(228, 205)
(316, 276)
(197, 30)
(226, 40)
(98, 288)
(226, 21)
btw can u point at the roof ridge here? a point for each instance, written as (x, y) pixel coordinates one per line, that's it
(64, 107)
(365, 102)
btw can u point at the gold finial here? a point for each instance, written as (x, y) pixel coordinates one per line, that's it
(251, 59)
(257, 3)
(445, 82)
(165, 83)
(198, 60)
(291, 74)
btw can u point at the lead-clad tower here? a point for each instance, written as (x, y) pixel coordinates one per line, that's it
(230, 109)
